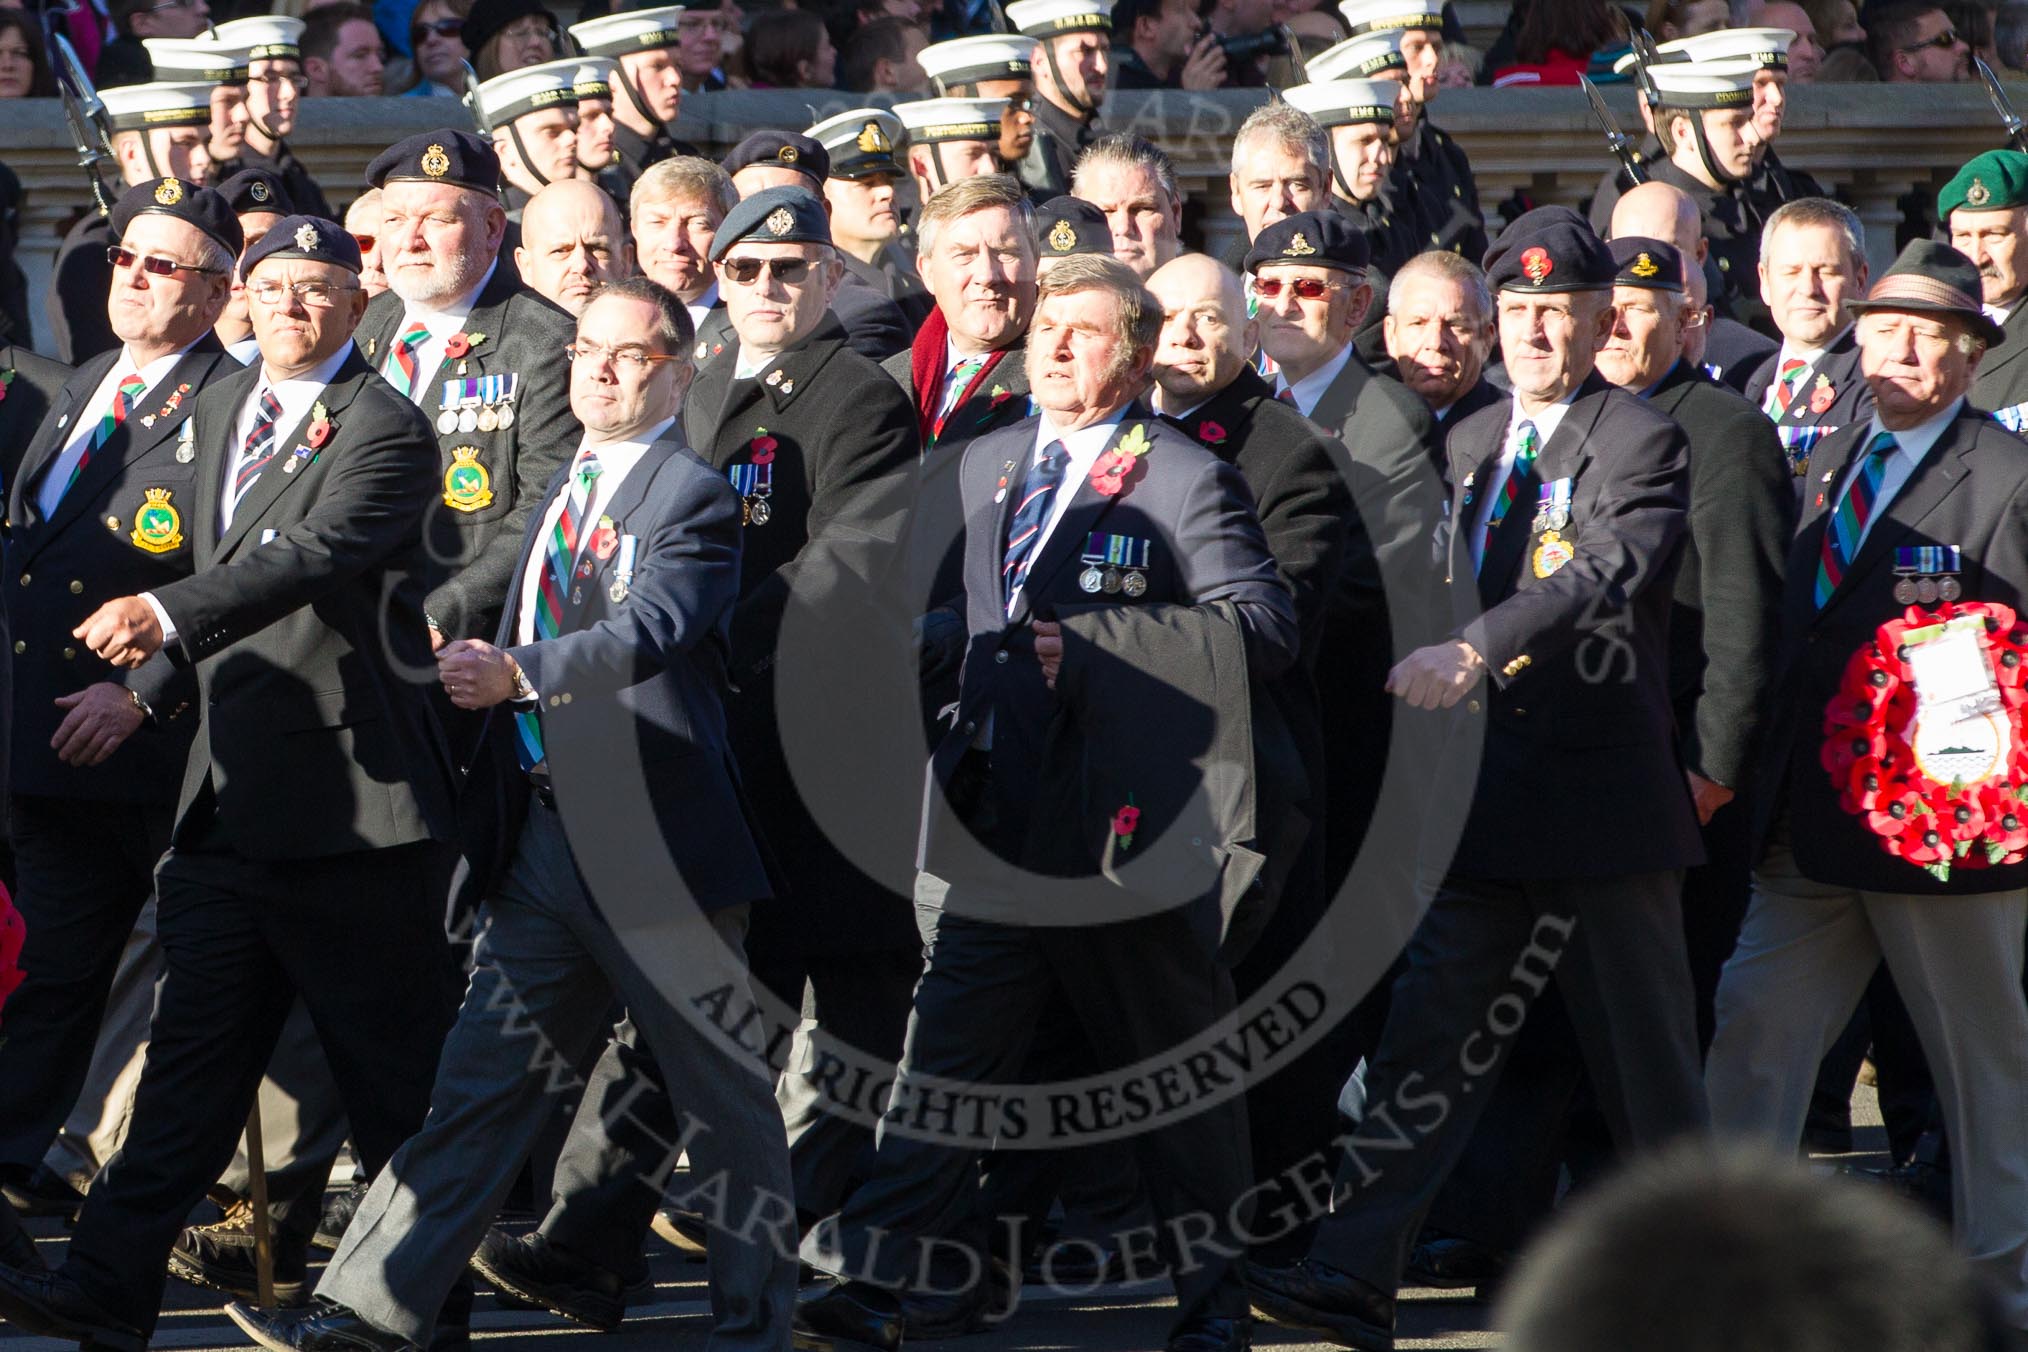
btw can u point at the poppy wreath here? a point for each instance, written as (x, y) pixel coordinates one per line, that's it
(13, 932)
(1869, 752)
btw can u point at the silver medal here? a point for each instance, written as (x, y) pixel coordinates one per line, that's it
(760, 512)
(618, 591)
(1112, 581)
(1559, 518)
(447, 422)
(289, 466)
(488, 419)
(1135, 583)
(1925, 590)
(185, 453)
(577, 596)
(1948, 589)
(468, 420)
(1904, 591)
(506, 418)
(1090, 580)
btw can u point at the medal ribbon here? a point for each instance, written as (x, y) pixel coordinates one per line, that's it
(560, 552)
(1848, 521)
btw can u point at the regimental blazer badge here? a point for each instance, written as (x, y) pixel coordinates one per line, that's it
(158, 528)
(467, 485)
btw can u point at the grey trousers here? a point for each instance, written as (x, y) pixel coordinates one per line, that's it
(1804, 958)
(546, 970)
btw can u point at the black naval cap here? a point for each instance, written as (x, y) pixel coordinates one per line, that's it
(454, 157)
(1549, 250)
(252, 190)
(201, 207)
(1321, 239)
(781, 150)
(308, 237)
(784, 215)
(1652, 263)
(1071, 225)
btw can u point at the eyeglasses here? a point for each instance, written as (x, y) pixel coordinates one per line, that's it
(443, 28)
(1020, 103)
(533, 26)
(745, 271)
(152, 264)
(1306, 288)
(367, 243)
(632, 359)
(316, 295)
(1943, 42)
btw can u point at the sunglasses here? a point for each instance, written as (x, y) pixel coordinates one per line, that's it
(1306, 288)
(1943, 42)
(150, 263)
(745, 271)
(367, 243)
(443, 28)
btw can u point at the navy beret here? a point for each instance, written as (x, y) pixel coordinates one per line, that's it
(1071, 225)
(201, 207)
(1322, 239)
(1652, 263)
(455, 157)
(781, 150)
(308, 237)
(1549, 250)
(257, 190)
(784, 215)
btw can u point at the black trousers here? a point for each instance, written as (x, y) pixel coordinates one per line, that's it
(360, 938)
(86, 869)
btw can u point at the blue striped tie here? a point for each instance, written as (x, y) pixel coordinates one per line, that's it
(258, 449)
(1038, 493)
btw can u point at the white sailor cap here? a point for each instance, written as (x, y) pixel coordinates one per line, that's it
(265, 36)
(1688, 84)
(164, 103)
(860, 142)
(636, 30)
(935, 121)
(178, 59)
(1765, 48)
(1053, 18)
(1359, 58)
(1382, 16)
(1343, 103)
(594, 77)
(991, 56)
(530, 89)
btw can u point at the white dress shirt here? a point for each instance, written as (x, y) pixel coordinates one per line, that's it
(616, 461)
(1793, 351)
(1546, 422)
(57, 477)
(750, 366)
(1084, 446)
(443, 325)
(246, 351)
(1311, 387)
(1910, 447)
(1998, 313)
(702, 306)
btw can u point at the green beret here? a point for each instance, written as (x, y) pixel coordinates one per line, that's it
(1993, 181)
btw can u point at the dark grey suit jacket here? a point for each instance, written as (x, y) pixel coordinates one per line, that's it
(1832, 395)
(2002, 387)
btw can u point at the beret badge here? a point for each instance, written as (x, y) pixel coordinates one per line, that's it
(1978, 194)
(1300, 246)
(781, 220)
(1062, 237)
(1644, 266)
(1537, 264)
(787, 154)
(257, 190)
(873, 141)
(435, 163)
(306, 237)
(168, 192)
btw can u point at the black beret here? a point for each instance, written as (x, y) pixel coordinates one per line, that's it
(454, 157)
(310, 237)
(257, 190)
(1320, 238)
(781, 150)
(1652, 263)
(784, 215)
(1071, 225)
(489, 17)
(1549, 250)
(201, 207)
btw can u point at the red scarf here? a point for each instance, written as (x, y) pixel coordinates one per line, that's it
(926, 360)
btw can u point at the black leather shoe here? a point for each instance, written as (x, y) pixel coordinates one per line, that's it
(17, 1250)
(1075, 1265)
(929, 1316)
(53, 1305)
(684, 1231)
(326, 1326)
(43, 1193)
(1213, 1335)
(842, 1316)
(1317, 1298)
(338, 1213)
(529, 1268)
(221, 1256)
(1452, 1263)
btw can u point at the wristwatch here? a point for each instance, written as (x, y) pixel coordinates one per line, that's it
(522, 689)
(141, 705)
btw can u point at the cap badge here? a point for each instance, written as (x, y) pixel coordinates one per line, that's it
(435, 163)
(168, 192)
(787, 154)
(1299, 246)
(1537, 264)
(1062, 237)
(306, 237)
(1644, 266)
(873, 141)
(780, 221)
(1978, 194)
(257, 190)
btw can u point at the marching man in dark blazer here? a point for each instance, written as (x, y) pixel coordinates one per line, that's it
(1985, 207)
(1563, 533)
(1076, 523)
(476, 350)
(307, 856)
(94, 752)
(1923, 500)
(609, 667)
(1439, 332)
(1813, 263)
